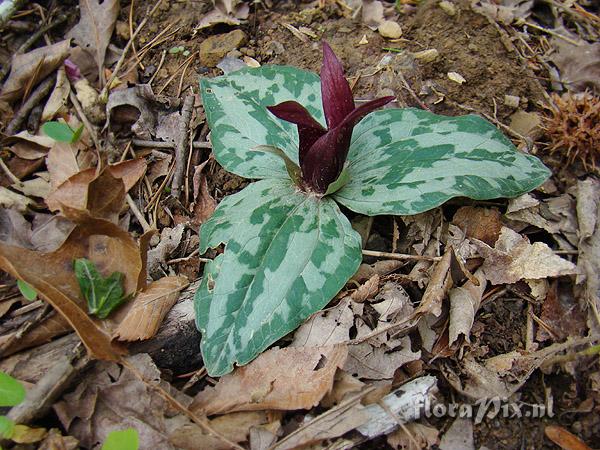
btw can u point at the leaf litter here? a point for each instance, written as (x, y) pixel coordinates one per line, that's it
(504, 292)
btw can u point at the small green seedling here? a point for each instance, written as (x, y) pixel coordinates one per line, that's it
(102, 295)
(12, 393)
(26, 290)
(62, 132)
(122, 440)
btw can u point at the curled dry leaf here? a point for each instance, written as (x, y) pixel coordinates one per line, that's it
(149, 308)
(204, 203)
(62, 163)
(52, 326)
(280, 378)
(464, 303)
(28, 146)
(95, 27)
(377, 363)
(328, 327)
(564, 438)
(10, 199)
(58, 97)
(479, 223)
(30, 68)
(513, 258)
(367, 290)
(228, 12)
(439, 284)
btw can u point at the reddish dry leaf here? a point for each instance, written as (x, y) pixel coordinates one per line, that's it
(204, 203)
(88, 194)
(149, 308)
(564, 439)
(281, 378)
(30, 68)
(479, 223)
(562, 315)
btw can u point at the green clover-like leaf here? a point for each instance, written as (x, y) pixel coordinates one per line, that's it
(62, 132)
(286, 255)
(26, 290)
(127, 439)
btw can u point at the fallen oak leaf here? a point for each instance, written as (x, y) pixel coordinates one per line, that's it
(30, 68)
(149, 308)
(281, 378)
(513, 258)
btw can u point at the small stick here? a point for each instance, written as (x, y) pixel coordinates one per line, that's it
(551, 33)
(160, 64)
(138, 214)
(28, 325)
(172, 77)
(161, 144)
(181, 147)
(86, 123)
(400, 256)
(413, 93)
(34, 99)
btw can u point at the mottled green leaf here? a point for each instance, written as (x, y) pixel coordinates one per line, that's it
(127, 439)
(406, 161)
(235, 107)
(287, 254)
(102, 294)
(12, 391)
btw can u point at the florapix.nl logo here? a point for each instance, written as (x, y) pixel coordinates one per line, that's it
(489, 408)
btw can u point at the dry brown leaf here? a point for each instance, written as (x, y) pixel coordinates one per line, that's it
(54, 440)
(340, 419)
(284, 379)
(513, 258)
(464, 303)
(133, 110)
(44, 331)
(10, 199)
(405, 438)
(588, 215)
(562, 315)
(564, 438)
(149, 308)
(381, 268)
(378, 363)
(440, 283)
(95, 27)
(28, 146)
(58, 97)
(61, 163)
(479, 223)
(110, 397)
(170, 238)
(344, 386)
(45, 234)
(327, 327)
(204, 203)
(228, 12)
(579, 65)
(51, 275)
(367, 290)
(459, 435)
(29, 68)
(234, 426)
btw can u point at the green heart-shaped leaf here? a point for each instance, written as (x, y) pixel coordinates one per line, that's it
(287, 254)
(235, 108)
(406, 161)
(103, 295)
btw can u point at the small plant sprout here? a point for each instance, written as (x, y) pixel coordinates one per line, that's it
(62, 132)
(288, 247)
(127, 439)
(102, 294)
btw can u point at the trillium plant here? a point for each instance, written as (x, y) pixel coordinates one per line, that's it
(288, 247)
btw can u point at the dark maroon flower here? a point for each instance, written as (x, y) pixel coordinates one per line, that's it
(323, 152)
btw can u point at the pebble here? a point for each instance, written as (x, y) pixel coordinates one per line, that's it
(512, 101)
(214, 48)
(390, 29)
(448, 7)
(456, 77)
(427, 56)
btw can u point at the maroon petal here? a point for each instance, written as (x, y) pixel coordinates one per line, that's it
(309, 130)
(324, 161)
(335, 90)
